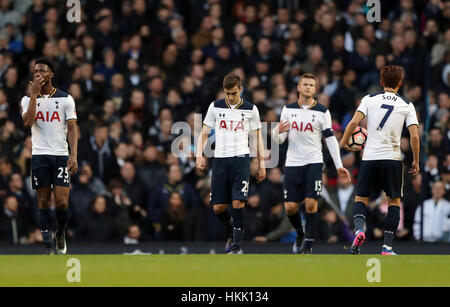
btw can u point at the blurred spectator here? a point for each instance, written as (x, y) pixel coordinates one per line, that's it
(281, 231)
(12, 226)
(362, 63)
(411, 201)
(315, 59)
(202, 222)
(158, 199)
(336, 67)
(330, 228)
(271, 190)
(343, 99)
(133, 185)
(9, 137)
(430, 174)
(340, 198)
(436, 144)
(6, 170)
(134, 235)
(83, 190)
(120, 204)
(256, 217)
(116, 161)
(97, 225)
(173, 219)
(8, 14)
(430, 226)
(96, 150)
(116, 91)
(27, 206)
(151, 171)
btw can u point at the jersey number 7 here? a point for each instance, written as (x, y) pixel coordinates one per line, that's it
(388, 113)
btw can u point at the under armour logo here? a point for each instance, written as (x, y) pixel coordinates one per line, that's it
(221, 115)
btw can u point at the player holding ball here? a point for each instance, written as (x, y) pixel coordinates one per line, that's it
(381, 165)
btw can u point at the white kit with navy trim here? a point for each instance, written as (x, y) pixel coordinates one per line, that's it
(386, 114)
(307, 127)
(49, 132)
(232, 124)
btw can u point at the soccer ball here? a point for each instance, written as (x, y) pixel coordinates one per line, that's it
(358, 139)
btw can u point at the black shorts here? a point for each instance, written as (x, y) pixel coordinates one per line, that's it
(380, 175)
(302, 182)
(230, 179)
(49, 170)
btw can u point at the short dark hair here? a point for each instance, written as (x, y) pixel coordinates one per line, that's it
(391, 75)
(47, 62)
(231, 80)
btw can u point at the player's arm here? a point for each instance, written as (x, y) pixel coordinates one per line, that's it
(280, 132)
(201, 161)
(260, 155)
(72, 137)
(414, 140)
(333, 148)
(255, 126)
(29, 117)
(354, 123)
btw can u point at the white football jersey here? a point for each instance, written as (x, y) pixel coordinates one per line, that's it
(307, 126)
(49, 132)
(386, 113)
(232, 125)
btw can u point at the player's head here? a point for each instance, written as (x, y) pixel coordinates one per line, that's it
(391, 76)
(307, 85)
(44, 68)
(232, 86)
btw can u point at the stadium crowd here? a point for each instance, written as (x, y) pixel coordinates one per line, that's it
(135, 67)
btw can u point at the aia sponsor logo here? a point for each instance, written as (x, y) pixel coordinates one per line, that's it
(231, 125)
(301, 127)
(46, 117)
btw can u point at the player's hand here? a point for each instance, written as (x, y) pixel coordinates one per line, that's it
(201, 164)
(261, 175)
(344, 174)
(283, 126)
(414, 168)
(72, 165)
(36, 86)
(344, 145)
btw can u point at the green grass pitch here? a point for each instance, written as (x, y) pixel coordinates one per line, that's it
(225, 270)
